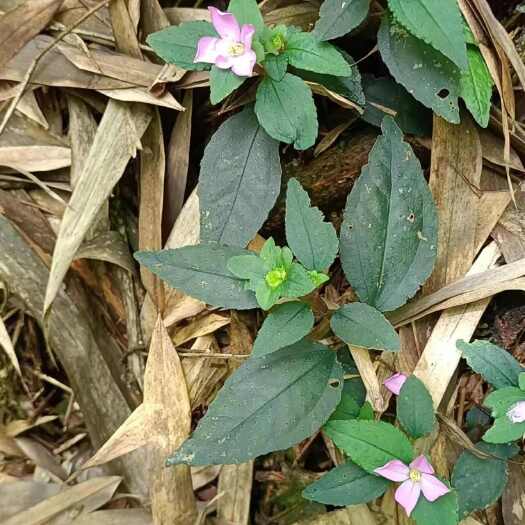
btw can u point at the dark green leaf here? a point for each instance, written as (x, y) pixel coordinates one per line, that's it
(476, 86)
(425, 73)
(304, 51)
(313, 241)
(366, 412)
(276, 66)
(496, 365)
(178, 44)
(239, 181)
(286, 110)
(348, 408)
(247, 12)
(270, 403)
(415, 410)
(521, 380)
(411, 116)
(443, 511)
(338, 18)
(358, 324)
(439, 24)
(389, 233)
(201, 271)
(222, 83)
(479, 482)
(370, 444)
(286, 324)
(346, 484)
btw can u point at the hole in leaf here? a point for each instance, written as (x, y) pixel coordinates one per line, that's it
(334, 383)
(411, 218)
(444, 93)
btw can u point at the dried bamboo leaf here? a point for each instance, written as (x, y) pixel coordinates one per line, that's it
(178, 162)
(35, 158)
(124, 29)
(200, 327)
(109, 247)
(441, 357)
(345, 103)
(513, 500)
(181, 308)
(509, 233)
(20, 25)
(493, 146)
(178, 15)
(302, 14)
(41, 457)
(354, 515)
(7, 345)
(203, 475)
(472, 283)
(152, 168)
(77, 495)
(165, 387)
(235, 487)
(28, 105)
(131, 94)
(115, 517)
(332, 136)
(367, 371)
(17, 496)
(491, 207)
(117, 139)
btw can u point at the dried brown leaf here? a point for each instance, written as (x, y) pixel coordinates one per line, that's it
(235, 488)
(35, 158)
(20, 25)
(7, 345)
(367, 371)
(115, 517)
(513, 500)
(199, 327)
(117, 139)
(16, 496)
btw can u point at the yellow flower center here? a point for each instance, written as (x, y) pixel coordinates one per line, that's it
(276, 277)
(236, 49)
(414, 475)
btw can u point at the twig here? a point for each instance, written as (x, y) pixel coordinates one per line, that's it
(36, 61)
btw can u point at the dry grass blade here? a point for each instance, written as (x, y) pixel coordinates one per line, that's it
(7, 345)
(130, 94)
(441, 357)
(117, 139)
(329, 139)
(319, 89)
(20, 25)
(72, 497)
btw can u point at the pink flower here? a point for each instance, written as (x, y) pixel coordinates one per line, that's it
(233, 50)
(516, 413)
(416, 478)
(395, 382)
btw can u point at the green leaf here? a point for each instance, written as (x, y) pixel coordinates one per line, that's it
(370, 444)
(504, 431)
(479, 482)
(250, 267)
(286, 110)
(276, 66)
(476, 86)
(222, 83)
(496, 365)
(358, 324)
(270, 403)
(348, 408)
(443, 511)
(338, 18)
(201, 271)
(347, 86)
(501, 400)
(247, 12)
(439, 24)
(286, 324)
(389, 232)
(346, 484)
(304, 51)
(178, 44)
(424, 72)
(239, 181)
(521, 381)
(411, 116)
(298, 282)
(415, 410)
(313, 241)
(366, 412)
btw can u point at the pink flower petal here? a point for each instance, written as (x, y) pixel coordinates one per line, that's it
(224, 61)
(244, 64)
(395, 382)
(407, 495)
(206, 50)
(516, 414)
(394, 470)
(432, 487)
(247, 32)
(421, 463)
(225, 24)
